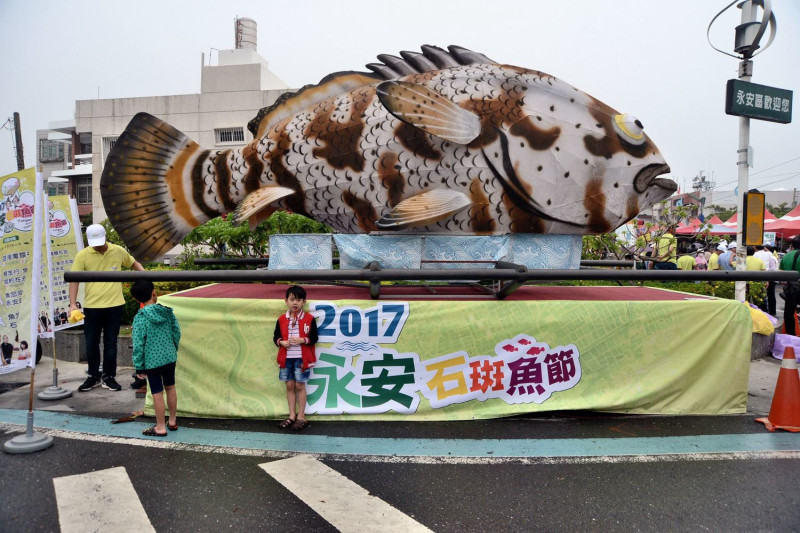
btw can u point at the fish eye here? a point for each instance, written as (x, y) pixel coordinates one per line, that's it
(629, 129)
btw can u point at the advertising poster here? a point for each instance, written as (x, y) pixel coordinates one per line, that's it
(20, 281)
(63, 243)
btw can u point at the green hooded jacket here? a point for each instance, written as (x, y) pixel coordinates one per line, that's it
(156, 335)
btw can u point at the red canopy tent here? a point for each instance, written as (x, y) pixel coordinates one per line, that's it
(714, 220)
(787, 225)
(731, 222)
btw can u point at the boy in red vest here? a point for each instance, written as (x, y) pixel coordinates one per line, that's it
(295, 336)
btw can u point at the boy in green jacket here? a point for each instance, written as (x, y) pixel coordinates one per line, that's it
(156, 335)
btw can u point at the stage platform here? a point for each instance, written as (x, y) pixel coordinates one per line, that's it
(460, 354)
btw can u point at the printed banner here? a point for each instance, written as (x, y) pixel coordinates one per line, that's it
(18, 323)
(64, 241)
(460, 360)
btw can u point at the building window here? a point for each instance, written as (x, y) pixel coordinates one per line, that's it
(85, 190)
(50, 151)
(229, 135)
(108, 144)
(56, 189)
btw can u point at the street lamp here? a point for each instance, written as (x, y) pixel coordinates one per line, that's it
(747, 41)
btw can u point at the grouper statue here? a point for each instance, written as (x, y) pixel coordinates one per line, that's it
(438, 141)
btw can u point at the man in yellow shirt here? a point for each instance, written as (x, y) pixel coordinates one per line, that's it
(103, 305)
(753, 262)
(713, 261)
(686, 262)
(667, 251)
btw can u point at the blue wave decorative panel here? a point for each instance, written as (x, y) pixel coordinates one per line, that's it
(391, 251)
(300, 251)
(546, 251)
(313, 251)
(465, 250)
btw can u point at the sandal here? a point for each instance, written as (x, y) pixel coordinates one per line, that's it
(151, 432)
(286, 424)
(300, 425)
(172, 427)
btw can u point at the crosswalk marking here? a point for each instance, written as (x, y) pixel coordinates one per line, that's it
(99, 501)
(346, 505)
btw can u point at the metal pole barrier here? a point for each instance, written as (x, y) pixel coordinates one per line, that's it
(502, 274)
(264, 261)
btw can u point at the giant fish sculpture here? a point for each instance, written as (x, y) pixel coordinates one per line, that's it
(432, 142)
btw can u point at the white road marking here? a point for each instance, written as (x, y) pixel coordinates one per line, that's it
(346, 505)
(99, 501)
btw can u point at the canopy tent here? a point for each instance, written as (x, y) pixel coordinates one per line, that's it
(714, 220)
(768, 218)
(716, 229)
(787, 225)
(731, 222)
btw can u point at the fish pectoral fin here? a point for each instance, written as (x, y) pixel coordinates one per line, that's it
(260, 216)
(429, 111)
(424, 208)
(258, 201)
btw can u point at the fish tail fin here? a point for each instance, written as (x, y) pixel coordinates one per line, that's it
(146, 186)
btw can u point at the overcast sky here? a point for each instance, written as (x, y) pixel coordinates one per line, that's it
(647, 58)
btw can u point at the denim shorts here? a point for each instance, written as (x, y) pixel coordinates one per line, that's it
(294, 371)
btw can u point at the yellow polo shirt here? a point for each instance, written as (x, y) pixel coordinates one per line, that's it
(102, 294)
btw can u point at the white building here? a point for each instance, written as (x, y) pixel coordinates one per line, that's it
(231, 94)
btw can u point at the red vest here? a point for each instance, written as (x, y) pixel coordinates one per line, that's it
(304, 325)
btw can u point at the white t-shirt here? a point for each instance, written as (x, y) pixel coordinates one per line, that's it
(769, 260)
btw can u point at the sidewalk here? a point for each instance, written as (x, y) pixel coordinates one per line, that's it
(104, 402)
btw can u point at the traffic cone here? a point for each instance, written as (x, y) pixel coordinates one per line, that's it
(796, 326)
(785, 410)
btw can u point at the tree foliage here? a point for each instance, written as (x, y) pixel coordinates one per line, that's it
(618, 245)
(722, 212)
(779, 210)
(220, 238)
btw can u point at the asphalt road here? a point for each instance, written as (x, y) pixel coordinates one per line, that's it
(209, 489)
(552, 472)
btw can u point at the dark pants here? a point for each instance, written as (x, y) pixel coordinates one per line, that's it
(106, 321)
(770, 299)
(665, 265)
(789, 308)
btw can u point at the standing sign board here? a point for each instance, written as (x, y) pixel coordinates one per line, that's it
(19, 322)
(38, 241)
(64, 241)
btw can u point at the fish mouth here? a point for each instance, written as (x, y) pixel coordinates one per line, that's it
(648, 177)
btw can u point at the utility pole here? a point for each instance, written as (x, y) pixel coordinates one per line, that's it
(748, 36)
(18, 141)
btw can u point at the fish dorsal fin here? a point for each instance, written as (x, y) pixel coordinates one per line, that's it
(259, 200)
(429, 111)
(289, 104)
(431, 58)
(391, 67)
(424, 208)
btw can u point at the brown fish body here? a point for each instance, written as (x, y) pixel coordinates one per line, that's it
(476, 148)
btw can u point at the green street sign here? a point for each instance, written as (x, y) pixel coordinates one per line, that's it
(761, 102)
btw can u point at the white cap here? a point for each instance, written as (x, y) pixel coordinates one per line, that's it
(732, 245)
(722, 248)
(96, 235)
